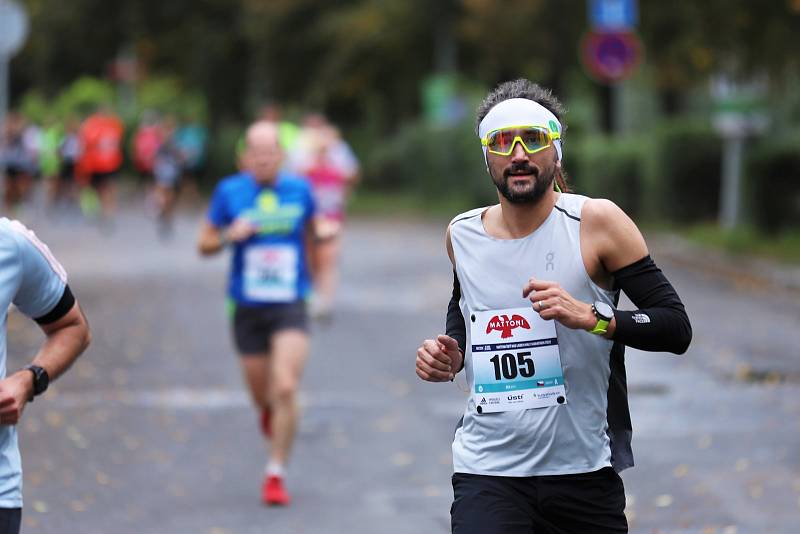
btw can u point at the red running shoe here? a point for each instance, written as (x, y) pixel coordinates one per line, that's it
(273, 493)
(266, 422)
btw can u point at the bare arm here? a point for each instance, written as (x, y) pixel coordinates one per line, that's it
(67, 338)
(614, 252)
(211, 240)
(616, 240)
(610, 240)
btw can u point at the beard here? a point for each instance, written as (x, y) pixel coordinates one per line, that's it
(542, 183)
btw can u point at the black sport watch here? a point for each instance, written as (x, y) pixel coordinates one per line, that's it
(40, 380)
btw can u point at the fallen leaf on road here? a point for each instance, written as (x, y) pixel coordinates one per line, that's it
(742, 464)
(386, 424)
(32, 425)
(663, 501)
(756, 491)
(53, 418)
(77, 439)
(402, 459)
(432, 491)
(399, 388)
(131, 443)
(680, 471)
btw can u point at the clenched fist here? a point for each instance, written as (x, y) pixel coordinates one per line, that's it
(439, 360)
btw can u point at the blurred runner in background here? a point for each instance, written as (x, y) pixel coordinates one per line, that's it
(267, 216)
(167, 174)
(101, 158)
(51, 136)
(146, 141)
(19, 161)
(69, 150)
(331, 167)
(191, 140)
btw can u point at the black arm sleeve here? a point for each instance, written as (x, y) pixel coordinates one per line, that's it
(454, 324)
(660, 323)
(61, 308)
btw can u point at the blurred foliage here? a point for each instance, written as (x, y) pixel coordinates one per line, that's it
(83, 96)
(34, 106)
(222, 158)
(774, 183)
(613, 168)
(688, 161)
(352, 57)
(365, 63)
(433, 160)
(167, 96)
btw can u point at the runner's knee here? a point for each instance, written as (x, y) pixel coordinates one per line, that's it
(284, 391)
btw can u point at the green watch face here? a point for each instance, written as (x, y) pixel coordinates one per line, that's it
(603, 311)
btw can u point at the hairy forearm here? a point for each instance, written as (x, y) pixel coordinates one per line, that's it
(63, 345)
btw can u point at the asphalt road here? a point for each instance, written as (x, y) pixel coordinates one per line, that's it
(151, 430)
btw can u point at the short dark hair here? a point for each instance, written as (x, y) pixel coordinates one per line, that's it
(522, 88)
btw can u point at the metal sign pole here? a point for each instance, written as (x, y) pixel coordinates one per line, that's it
(731, 182)
(13, 31)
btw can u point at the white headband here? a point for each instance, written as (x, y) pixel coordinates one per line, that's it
(519, 112)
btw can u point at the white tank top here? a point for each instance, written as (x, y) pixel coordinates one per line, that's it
(561, 439)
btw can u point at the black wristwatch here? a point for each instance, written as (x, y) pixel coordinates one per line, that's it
(40, 380)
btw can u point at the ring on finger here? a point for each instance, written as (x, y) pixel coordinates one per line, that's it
(541, 305)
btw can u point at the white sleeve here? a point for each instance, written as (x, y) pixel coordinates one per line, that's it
(42, 278)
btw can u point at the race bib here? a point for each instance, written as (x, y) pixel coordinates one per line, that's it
(515, 361)
(270, 273)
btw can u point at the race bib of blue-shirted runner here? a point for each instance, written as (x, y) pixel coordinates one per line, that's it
(515, 361)
(270, 273)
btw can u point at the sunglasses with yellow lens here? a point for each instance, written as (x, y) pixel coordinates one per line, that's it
(532, 138)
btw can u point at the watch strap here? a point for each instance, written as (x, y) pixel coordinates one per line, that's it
(600, 328)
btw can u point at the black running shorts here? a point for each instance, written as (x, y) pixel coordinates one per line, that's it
(100, 179)
(254, 326)
(585, 503)
(10, 519)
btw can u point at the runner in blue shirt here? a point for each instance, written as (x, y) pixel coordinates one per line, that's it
(268, 217)
(32, 280)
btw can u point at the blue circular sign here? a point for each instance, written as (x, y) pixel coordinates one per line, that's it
(611, 57)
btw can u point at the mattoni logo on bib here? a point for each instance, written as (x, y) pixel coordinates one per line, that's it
(503, 324)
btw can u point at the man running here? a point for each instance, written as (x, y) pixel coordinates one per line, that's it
(533, 321)
(267, 215)
(101, 158)
(32, 279)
